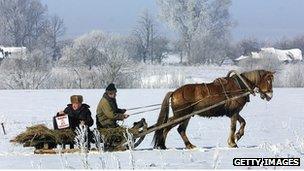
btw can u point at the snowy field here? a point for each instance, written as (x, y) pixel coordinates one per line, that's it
(274, 129)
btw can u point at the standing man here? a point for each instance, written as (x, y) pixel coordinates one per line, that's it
(108, 113)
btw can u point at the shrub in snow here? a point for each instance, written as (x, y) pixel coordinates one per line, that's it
(2, 119)
(82, 142)
(267, 62)
(28, 73)
(291, 76)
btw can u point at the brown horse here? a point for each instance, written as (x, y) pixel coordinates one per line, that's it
(194, 97)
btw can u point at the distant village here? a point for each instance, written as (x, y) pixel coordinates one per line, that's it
(285, 56)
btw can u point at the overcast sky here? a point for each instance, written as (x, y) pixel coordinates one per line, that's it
(264, 19)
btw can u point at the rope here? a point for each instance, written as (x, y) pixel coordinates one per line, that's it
(207, 89)
(223, 89)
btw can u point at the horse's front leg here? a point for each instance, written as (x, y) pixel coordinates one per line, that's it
(241, 131)
(231, 138)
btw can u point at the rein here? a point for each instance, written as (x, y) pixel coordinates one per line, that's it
(135, 108)
(136, 113)
(192, 104)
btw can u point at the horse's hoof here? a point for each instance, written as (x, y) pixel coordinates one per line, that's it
(190, 146)
(233, 146)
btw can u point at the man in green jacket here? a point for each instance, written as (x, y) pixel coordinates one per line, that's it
(107, 112)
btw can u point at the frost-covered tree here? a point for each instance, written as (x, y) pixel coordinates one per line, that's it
(187, 17)
(216, 44)
(203, 27)
(28, 72)
(24, 21)
(117, 65)
(248, 45)
(145, 35)
(80, 58)
(54, 31)
(96, 59)
(27, 23)
(87, 50)
(147, 43)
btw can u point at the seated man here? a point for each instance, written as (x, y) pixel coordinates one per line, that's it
(79, 114)
(107, 111)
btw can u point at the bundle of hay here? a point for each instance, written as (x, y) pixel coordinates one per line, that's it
(35, 136)
(113, 137)
(65, 136)
(39, 135)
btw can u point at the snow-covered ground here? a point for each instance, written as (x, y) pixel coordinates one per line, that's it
(274, 129)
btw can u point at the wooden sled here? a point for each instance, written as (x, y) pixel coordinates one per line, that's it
(45, 140)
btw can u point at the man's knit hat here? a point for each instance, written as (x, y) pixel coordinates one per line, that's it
(111, 87)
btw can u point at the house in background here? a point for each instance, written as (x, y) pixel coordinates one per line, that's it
(12, 52)
(287, 56)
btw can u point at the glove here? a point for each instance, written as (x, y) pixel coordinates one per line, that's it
(126, 116)
(60, 113)
(123, 110)
(120, 117)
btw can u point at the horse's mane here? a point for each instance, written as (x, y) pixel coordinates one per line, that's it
(254, 76)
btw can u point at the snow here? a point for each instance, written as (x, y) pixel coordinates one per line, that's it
(292, 54)
(274, 129)
(241, 57)
(172, 59)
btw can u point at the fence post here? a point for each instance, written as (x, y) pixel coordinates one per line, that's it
(2, 124)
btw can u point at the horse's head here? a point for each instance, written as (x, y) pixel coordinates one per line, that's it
(261, 82)
(264, 87)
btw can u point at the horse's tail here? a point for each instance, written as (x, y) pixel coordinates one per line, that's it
(162, 118)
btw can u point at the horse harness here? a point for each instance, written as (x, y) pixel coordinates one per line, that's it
(209, 93)
(223, 88)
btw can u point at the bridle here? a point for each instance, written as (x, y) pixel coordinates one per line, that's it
(256, 87)
(258, 80)
(242, 79)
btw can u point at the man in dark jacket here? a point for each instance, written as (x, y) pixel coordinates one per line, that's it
(79, 114)
(107, 112)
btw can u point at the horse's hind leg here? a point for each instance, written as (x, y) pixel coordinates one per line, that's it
(241, 131)
(182, 131)
(231, 139)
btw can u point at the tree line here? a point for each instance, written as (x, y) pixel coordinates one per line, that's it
(202, 30)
